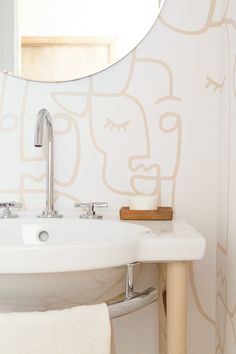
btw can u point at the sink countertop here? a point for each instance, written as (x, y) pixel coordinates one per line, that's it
(178, 236)
(76, 244)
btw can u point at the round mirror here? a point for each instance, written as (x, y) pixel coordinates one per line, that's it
(60, 40)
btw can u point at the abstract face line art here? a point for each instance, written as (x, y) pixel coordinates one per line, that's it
(120, 141)
(130, 137)
(117, 126)
(216, 86)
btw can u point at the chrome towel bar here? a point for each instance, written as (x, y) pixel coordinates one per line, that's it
(133, 301)
(136, 302)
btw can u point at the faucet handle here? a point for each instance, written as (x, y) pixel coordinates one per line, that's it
(91, 212)
(6, 209)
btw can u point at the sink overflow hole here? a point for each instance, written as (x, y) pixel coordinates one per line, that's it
(43, 236)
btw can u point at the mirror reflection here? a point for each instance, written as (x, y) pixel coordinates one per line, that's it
(59, 40)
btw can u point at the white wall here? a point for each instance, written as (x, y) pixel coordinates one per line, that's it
(168, 90)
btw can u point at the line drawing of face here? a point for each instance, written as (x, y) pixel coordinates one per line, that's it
(121, 135)
(125, 136)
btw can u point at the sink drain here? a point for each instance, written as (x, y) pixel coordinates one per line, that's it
(43, 236)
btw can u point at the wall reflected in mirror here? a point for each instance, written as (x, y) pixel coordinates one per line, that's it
(59, 40)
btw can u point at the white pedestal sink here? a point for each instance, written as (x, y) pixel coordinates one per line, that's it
(31, 245)
(63, 262)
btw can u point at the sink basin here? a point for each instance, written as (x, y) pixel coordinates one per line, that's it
(58, 263)
(46, 246)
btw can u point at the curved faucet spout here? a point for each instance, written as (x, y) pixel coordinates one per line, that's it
(44, 116)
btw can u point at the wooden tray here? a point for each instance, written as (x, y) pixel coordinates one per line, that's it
(162, 213)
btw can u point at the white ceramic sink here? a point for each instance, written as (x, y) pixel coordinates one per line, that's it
(82, 261)
(74, 244)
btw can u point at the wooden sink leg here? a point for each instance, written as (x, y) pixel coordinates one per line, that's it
(176, 286)
(162, 309)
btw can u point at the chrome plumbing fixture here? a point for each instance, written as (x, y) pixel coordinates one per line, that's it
(7, 214)
(90, 209)
(45, 117)
(133, 301)
(129, 280)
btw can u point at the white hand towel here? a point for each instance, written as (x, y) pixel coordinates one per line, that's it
(79, 330)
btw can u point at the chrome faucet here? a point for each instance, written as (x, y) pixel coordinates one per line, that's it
(45, 117)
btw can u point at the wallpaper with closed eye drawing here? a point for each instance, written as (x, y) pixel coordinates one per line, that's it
(155, 122)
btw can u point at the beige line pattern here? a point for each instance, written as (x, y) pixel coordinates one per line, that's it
(229, 22)
(196, 297)
(209, 23)
(22, 129)
(142, 167)
(222, 248)
(56, 98)
(225, 312)
(217, 86)
(71, 126)
(125, 93)
(4, 117)
(131, 71)
(177, 127)
(112, 125)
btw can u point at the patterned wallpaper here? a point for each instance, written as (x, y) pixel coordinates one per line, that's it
(147, 124)
(226, 246)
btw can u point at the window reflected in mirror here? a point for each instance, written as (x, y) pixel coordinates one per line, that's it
(58, 40)
(64, 58)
